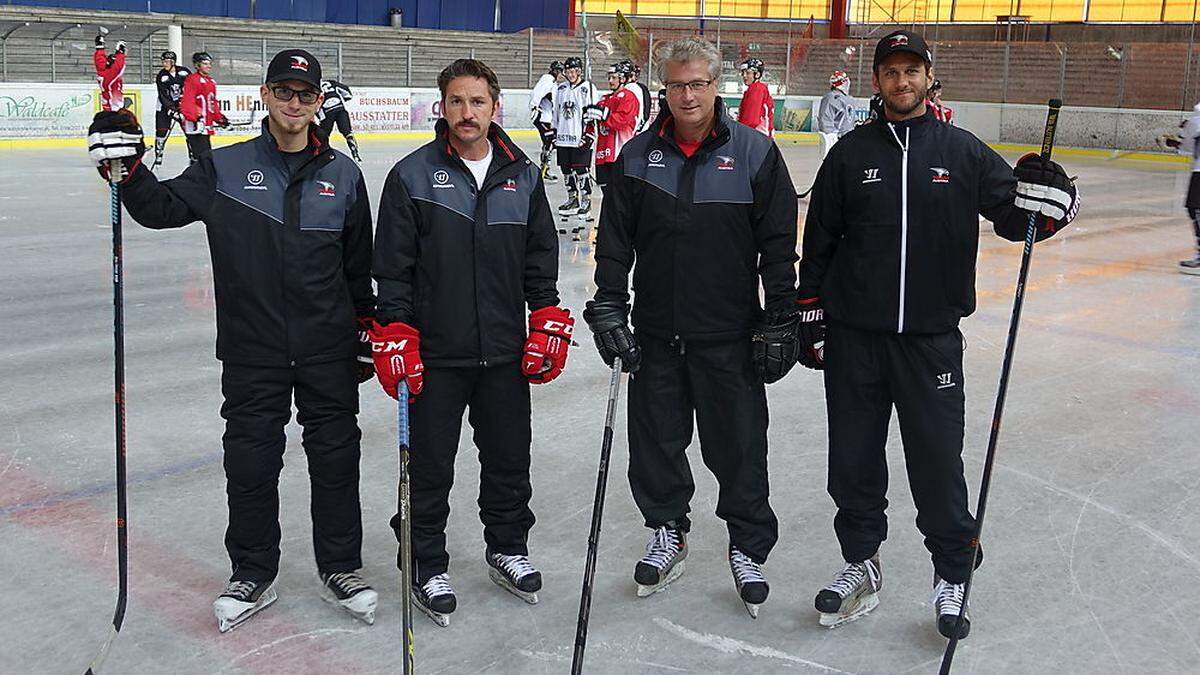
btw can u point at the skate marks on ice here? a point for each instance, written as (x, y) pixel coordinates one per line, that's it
(308, 636)
(730, 645)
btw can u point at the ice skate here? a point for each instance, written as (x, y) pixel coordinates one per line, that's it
(515, 574)
(242, 600)
(569, 207)
(436, 599)
(751, 584)
(947, 603)
(852, 594)
(348, 591)
(663, 562)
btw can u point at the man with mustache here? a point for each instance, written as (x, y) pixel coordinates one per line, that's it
(889, 249)
(465, 243)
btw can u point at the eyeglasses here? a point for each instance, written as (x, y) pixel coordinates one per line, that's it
(696, 86)
(307, 96)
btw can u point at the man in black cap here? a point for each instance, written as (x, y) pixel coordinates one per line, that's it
(889, 252)
(289, 226)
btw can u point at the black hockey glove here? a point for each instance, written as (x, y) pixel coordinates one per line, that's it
(776, 344)
(365, 362)
(810, 328)
(613, 337)
(116, 137)
(1043, 187)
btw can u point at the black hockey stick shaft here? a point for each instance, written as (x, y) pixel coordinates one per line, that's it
(405, 530)
(589, 572)
(1005, 370)
(116, 170)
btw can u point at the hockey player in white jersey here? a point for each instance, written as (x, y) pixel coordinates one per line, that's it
(1188, 143)
(836, 116)
(574, 138)
(541, 113)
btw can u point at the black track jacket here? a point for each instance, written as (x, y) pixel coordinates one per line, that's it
(460, 262)
(892, 231)
(702, 229)
(291, 256)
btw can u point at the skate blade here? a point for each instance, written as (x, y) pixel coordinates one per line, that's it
(1190, 270)
(442, 620)
(361, 606)
(751, 609)
(228, 623)
(867, 604)
(647, 591)
(503, 582)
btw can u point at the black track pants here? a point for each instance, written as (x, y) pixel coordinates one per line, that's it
(714, 383)
(498, 401)
(866, 374)
(258, 404)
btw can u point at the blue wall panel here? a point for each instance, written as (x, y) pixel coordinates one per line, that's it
(477, 15)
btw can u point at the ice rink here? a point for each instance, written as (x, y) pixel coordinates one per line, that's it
(1092, 562)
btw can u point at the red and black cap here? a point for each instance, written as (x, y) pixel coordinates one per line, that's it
(295, 64)
(901, 41)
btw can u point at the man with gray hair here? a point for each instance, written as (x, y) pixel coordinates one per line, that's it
(707, 209)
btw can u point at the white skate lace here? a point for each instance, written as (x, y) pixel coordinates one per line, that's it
(948, 597)
(662, 547)
(438, 585)
(744, 569)
(852, 575)
(348, 582)
(242, 590)
(515, 566)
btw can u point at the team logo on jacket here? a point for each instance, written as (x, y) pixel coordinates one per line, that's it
(299, 63)
(254, 181)
(509, 185)
(656, 158)
(441, 179)
(326, 189)
(940, 175)
(724, 163)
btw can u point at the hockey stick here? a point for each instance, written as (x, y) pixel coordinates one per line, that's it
(589, 571)
(115, 175)
(1005, 370)
(405, 530)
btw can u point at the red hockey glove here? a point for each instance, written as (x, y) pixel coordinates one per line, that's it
(546, 347)
(396, 349)
(220, 121)
(365, 362)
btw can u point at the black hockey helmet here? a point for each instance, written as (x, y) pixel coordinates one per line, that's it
(168, 56)
(753, 64)
(624, 69)
(556, 67)
(573, 62)
(201, 57)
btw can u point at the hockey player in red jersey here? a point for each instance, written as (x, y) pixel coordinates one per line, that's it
(200, 109)
(616, 117)
(110, 71)
(943, 112)
(757, 109)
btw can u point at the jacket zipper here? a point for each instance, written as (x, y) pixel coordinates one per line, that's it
(903, 219)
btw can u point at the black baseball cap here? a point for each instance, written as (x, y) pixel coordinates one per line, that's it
(295, 64)
(901, 41)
